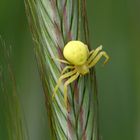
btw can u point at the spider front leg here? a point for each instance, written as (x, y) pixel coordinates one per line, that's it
(60, 60)
(66, 68)
(70, 80)
(66, 75)
(93, 53)
(97, 58)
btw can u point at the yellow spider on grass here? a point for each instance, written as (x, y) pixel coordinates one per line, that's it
(79, 61)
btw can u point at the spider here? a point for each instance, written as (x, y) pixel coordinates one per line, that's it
(79, 60)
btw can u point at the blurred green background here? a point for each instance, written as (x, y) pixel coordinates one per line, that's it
(115, 25)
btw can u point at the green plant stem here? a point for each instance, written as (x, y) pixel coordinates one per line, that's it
(53, 23)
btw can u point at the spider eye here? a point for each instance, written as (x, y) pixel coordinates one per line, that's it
(76, 52)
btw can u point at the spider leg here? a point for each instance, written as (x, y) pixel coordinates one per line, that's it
(60, 60)
(70, 80)
(93, 54)
(98, 57)
(66, 75)
(66, 68)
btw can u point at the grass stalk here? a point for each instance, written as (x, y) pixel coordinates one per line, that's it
(12, 125)
(53, 23)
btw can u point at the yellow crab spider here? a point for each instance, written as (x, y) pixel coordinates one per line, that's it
(79, 60)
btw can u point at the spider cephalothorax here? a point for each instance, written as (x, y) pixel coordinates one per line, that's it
(79, 60)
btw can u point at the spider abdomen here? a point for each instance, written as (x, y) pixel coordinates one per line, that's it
(76, 52)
